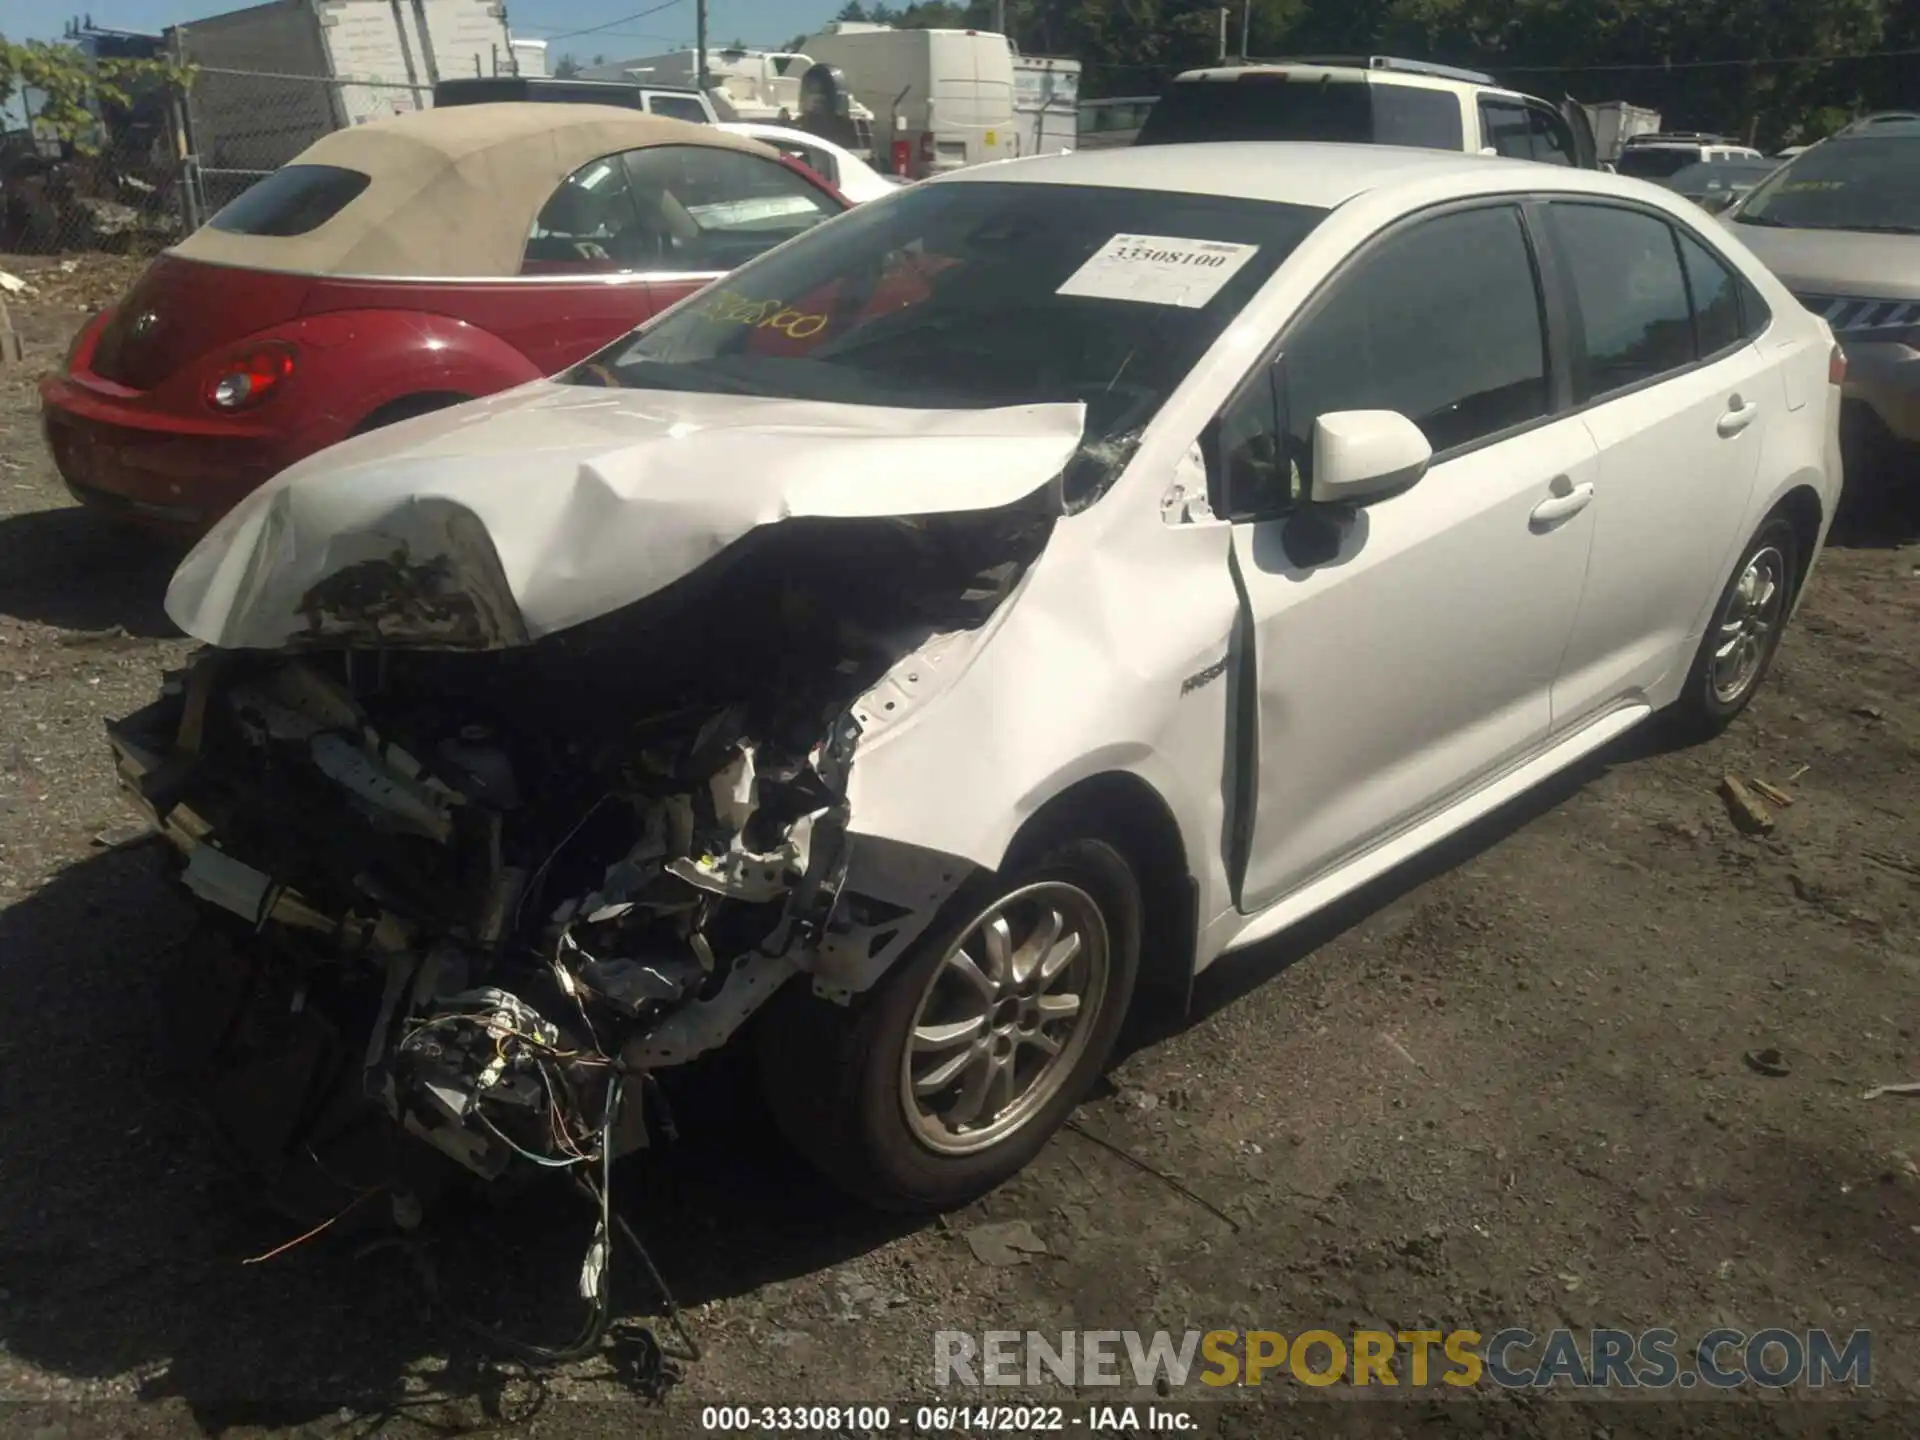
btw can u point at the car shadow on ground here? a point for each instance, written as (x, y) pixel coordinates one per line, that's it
(1240, 973)
(126, 1235)
(1879, 504)
(75, 570)
(126, 1229)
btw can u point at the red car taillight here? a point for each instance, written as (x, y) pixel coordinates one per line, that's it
(84, 339)
(243, 380)
(1837, 366)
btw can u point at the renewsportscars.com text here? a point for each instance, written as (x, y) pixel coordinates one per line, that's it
(1510, 1359)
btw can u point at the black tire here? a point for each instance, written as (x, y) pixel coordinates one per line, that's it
(407, 407)
(832, 1074)
(1702, 710)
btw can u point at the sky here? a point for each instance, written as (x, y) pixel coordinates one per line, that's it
(670, 26)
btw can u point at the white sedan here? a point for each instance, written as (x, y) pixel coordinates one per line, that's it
(973, 619)
(852, 176)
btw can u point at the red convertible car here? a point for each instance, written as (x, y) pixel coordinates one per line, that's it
(397, 268)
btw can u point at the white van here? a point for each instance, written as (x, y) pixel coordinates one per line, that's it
(1046, 100)
(946, 96)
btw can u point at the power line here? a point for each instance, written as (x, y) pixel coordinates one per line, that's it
(624, 19)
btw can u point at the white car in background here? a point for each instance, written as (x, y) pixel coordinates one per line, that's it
(837, 165)
(984, 610)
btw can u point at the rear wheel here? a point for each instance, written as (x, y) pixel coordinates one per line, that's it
(1738, 649)
(406, 408)
(955, 1070)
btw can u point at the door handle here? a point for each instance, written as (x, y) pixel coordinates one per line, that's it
(1567, 500)
(1739, 415)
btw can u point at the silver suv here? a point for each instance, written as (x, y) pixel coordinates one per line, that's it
(1369, 100)
(1840, 224)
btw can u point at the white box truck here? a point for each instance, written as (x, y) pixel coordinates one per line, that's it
(1046, 104)
(1615, 122)
(941, 99)
(529, 58)
(274, 78)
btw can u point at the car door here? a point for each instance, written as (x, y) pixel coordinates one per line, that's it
(1677, 399)
(1404, 650)
(1504, 128)
(579, 287)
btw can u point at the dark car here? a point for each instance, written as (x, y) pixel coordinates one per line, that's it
(675, 102)
(1716, 184)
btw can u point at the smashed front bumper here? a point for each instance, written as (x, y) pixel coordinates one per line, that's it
(507, 957)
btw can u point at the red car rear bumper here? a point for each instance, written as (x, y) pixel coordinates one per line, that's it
(122, 455)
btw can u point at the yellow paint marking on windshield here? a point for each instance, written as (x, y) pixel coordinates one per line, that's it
(729, 307)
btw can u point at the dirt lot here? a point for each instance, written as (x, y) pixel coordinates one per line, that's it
(1509, 1089)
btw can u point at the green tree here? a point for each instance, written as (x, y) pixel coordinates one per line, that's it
(566, 67)
(68, 85)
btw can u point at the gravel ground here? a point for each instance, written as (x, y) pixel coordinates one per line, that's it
(1510, 1088)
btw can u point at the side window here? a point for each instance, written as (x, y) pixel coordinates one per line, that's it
(1251, 476)
(1632, 296)
(677, 107)
(1755, 315)
(1552, 139)
(1440, 322)
(703, 208)
(1716, 299)
(816, 160)
(1411, 115)
(1504, 125)
(588, 224)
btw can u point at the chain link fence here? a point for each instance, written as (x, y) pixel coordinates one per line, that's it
(144, 174)
(115, 185)
(242, 125)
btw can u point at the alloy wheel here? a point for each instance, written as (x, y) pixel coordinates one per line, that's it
(1748, 621)
(1005, 1017)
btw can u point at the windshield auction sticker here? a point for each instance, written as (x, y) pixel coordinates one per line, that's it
(1159, 270)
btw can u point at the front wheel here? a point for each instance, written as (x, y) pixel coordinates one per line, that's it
(955, 1070)
(1744, 633)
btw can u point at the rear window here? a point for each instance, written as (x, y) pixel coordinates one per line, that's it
(677, 107)
(1290, 107)
(294, 200)
(1644, 162)
(1868, 182)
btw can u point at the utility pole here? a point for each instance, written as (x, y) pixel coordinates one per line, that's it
(1000, 16)
(700, 45)
(1223, 34)
(1246, 28)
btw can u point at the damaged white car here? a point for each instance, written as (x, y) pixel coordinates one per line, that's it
(985, 609)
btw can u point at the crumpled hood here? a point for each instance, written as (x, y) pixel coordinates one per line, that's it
(506, 519)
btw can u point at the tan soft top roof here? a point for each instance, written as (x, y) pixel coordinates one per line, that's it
(453, 191)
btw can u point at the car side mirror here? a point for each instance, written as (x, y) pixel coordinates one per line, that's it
(1364, 455)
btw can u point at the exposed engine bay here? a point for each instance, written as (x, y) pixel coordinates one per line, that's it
(519, 881)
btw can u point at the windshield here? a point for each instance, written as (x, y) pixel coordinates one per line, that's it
(975, 294)
(1867, 182)
(1279, 105)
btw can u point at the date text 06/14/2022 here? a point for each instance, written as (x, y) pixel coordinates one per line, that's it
(945, 1419)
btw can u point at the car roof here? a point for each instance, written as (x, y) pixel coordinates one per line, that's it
(1899, 123)
(785, 134)
(1320, 175)
(1397, 71)
(452, 191)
